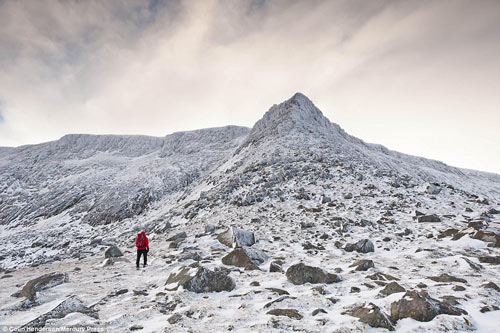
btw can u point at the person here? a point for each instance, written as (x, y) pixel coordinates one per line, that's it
(142, 244)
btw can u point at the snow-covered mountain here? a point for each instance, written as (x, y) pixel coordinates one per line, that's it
(300, 183)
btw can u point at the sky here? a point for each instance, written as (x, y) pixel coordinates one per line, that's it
(420, 77)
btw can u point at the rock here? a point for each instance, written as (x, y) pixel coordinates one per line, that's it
(372, 315)
(429, 218)
(175, 318)
(279, 299)
(490, 260)
(70, 305)
(421, 307)
(381, 277)
(488, 236)
(209, 228)
(239, 257)
(275, 267)
(433, 189)
(446, 278)
(112, 252)
(278, 291)
(493, 211)
(136, 327)
(306, 225)
(255, 284)
(118, 292)
(318, 311)
(418, 213)
(491, 285)
(362, 246)
(176, 237)
(392, 288)
(300, 274)
(326, 199)
(43, 282)
(291, 313)
(355, 290)
(363, 265)
(234, 237)
(348, 196)
(200, 280)
(448, 233)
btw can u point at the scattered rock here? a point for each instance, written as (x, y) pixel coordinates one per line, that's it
(318, 311)
(175, 318)
(490, 260)
(234, 237)
(136, 327)
(278, 291)
(372, 315)
(300, 274)
(362, 246)
(200, 280)
(363, 265)
(392, 288)
(421, 307)
(446, 278)
(429, 218)
(491, 285)
(176, 237)
(43, 282)
(275, 267)
(70, 305)
(112, 252)
(291, 313)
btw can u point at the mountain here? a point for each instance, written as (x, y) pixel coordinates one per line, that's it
(306, 189)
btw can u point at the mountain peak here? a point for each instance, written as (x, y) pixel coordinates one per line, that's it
(296, 115)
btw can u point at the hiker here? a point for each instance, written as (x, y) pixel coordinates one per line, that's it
(142, 244)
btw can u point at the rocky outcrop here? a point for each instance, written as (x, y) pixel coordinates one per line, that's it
(235, 237)
(421, 307)
(362, 246)
(200, 280)
(43, 282)
(300, 274)
(372, 315)
(112, 252)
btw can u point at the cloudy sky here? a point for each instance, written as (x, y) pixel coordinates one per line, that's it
(421, 77)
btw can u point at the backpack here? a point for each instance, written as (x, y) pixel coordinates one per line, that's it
(141, 242)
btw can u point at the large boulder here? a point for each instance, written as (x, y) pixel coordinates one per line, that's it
(40, 283)
(70, 305)
(429, 218)
(372, 315)
(247, 258)
(421, 307)
(200, 280)
(300, 274)
(112, 252)
(362, 246)
(235, 237)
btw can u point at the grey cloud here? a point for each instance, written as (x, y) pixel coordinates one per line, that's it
(153, 67)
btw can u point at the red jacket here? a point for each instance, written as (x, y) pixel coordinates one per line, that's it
(145, 243)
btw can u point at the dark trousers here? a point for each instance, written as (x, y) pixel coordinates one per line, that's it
(145, 254)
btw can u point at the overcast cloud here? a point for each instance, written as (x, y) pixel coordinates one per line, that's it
(420, 77)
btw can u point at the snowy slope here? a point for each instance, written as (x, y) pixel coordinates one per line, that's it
(303, 185)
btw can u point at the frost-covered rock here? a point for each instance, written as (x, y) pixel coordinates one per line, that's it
(235, 237)
(301, 273)
(113, 252)
(372, 315)
(246, 257)
(362, 246)
(46, 281)
(200, 280)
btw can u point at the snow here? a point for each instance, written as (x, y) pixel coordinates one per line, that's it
(267, 180)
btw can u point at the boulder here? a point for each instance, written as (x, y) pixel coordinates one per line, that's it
(300, 274)
(70, 305)
(494, 260)
(290, 313)
(362, 246)
(245, 257)
(200, 280)
(446, 278)
(112, 252)
(209, 228)
(429, 218)
(43, 282)
(421, 307)
(392, 288)
(433, 189)
(275, 267)
(177, 237)
(372, 315)
(488, 236)
(235, 237)
(363, 265)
